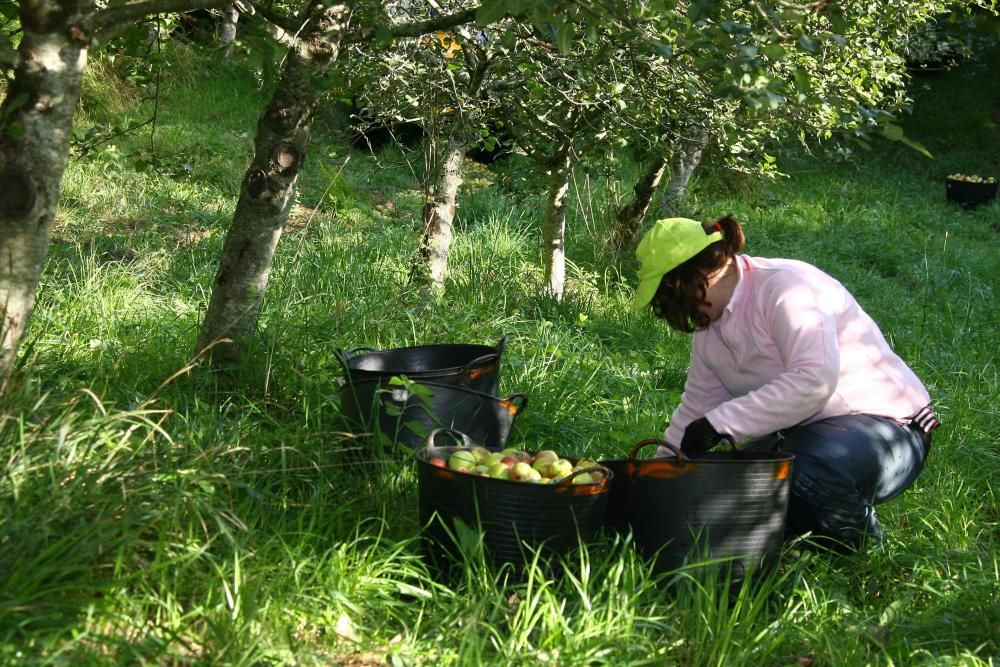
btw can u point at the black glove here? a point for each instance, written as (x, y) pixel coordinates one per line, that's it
(700, 436)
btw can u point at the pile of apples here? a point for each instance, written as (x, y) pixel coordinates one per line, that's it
(971, 178)
(545, 467)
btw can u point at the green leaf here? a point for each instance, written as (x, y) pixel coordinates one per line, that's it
(774, 51)
(663, 50)
(491, 12)
(803, 82)
(699, 10)
(810, 44)
(894, 132)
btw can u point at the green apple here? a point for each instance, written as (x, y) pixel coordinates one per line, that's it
(480, 454)
(481, 469)
(462, 460)
(583, 478)
(494, 457)
(541, 465)
(560, 468)
(499, 471)
(586, 463)
(521, 471)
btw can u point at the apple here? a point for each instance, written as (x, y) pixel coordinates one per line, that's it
(439, 462)
(499, 471)
(546, 455)
(462, 460)
(560, 468)
(522, 471)
(586, 463)
(480, 454)
(494, 457)
(583, 478)
(510, 460)
(541, 465)
(481, 469)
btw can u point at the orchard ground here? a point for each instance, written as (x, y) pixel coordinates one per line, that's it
(151, 516)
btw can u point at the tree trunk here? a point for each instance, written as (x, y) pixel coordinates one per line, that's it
(685, 160)
(628, 222)
(36, 119)
(227, 32)
(268, 190)
(431, 262)
(554, 227)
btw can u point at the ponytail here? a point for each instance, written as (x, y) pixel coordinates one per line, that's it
(732, 233)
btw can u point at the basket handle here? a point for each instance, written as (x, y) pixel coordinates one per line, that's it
(479, 361)
(459, 436)
(681, 456)
(515, 403)
(565, 481)
(354, 351)
(501, 345)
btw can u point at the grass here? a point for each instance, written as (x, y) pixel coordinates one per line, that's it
(148, 517)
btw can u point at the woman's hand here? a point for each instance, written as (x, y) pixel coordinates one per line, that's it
(700, 436)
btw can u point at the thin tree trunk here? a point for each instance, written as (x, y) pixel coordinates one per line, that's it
(431, 262)
(227, 33)
(685, 160)
(554, 227)
(268, 190)
(36, 119)
(628, 222)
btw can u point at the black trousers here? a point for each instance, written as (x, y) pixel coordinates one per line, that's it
(843, 467)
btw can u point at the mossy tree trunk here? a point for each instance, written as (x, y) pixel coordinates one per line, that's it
(431, 262)
(268, 190)
(628, 220)
(36, 123)
(685, 160)
(554, 226)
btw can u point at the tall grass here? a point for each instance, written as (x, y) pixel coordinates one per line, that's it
(148, 516)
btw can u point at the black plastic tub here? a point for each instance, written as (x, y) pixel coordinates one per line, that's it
(515, 517)
(618, 495)
(407, 412)
(728, 504)
(969, 194)
(473, 366)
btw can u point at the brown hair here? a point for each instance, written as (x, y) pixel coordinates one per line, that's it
(682, 289)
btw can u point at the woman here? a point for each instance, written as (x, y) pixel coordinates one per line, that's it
(785, 358)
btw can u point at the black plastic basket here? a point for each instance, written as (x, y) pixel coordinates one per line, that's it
(554, 518)
(473, 366)
(406, 412)
(969, 194)
(728, 504)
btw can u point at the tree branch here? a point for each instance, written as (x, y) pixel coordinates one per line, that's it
(133, 11)
(417, 28)
(287, 23)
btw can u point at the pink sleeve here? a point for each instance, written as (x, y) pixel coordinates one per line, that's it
(702, 392)
(805, 335)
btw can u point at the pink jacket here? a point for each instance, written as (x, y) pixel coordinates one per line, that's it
(792, 346)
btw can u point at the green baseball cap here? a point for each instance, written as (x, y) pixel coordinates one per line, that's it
(668, 244)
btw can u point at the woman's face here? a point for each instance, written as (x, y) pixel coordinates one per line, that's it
(719, 291)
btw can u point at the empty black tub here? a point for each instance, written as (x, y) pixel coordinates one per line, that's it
(407, 412)
(473, 366)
